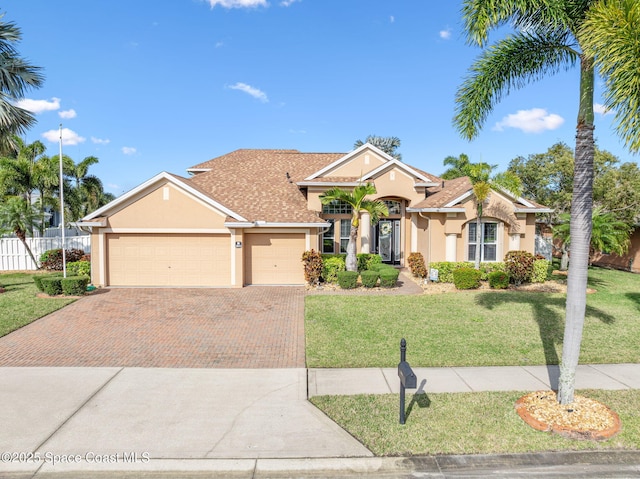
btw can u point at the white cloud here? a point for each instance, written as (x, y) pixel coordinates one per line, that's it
(286, 3)
(535, 120)
(39, 106)
(238, 3)
(603, 110)
(67, 114)
(129, 150)
(249, 90)
(392, 19)
(445, 34)
(100, 141)
(69, 137)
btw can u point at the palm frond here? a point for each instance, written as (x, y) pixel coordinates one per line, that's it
(510, 64)
(610, 35)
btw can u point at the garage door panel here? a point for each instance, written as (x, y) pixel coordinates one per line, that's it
(168, 260)
(274, 258)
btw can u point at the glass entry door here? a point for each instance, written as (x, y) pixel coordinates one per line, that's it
(388, 240)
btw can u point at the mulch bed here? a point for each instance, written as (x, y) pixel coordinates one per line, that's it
(584, 418)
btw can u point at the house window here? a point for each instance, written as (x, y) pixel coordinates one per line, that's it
(488, 241)
(336, 207)
(394, 207)
(328, 245)
(345, 230)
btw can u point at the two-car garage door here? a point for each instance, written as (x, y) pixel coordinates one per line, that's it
(202, 259)
(168, 260)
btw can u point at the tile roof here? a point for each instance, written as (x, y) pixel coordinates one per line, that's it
(439, 196)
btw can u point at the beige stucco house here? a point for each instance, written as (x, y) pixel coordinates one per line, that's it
(246, 218)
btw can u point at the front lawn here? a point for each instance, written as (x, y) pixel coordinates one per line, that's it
(20, 306)
(473, 328)
(466, 423)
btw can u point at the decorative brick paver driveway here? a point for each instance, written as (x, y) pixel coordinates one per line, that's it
(254, 327)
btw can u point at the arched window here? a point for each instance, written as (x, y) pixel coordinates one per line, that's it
(394, 206)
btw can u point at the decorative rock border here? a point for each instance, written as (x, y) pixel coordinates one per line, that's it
(567, 430)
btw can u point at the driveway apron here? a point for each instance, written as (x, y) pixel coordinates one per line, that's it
(253, 327)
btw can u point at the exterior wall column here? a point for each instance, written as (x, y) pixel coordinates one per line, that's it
(450, 250)
(414, 232)
(365, 233)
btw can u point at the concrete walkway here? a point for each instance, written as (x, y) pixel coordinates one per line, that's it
(246, 422)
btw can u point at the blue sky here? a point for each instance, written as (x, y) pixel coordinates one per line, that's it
(161, 86)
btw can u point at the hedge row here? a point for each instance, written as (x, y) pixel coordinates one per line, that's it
(55, 284)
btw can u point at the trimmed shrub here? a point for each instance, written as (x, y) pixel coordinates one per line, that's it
(446, 269)
(37, 279)
(79, 268)
(347, 279)
(313, 266)
(519, 265)
(369, 278)
(540, 271)
(52, 259)
(466, 278)
(499, 280)
(331, 266)
(417, 265)
(74, 285)
(52, 285)
(389, 277)
(367, 260)
(487, 268)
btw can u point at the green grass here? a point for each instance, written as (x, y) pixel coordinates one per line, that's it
(466, 423)
(473, 328)
(20, 306)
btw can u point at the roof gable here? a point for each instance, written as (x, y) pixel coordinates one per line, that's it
(330, 169)
(180, 183)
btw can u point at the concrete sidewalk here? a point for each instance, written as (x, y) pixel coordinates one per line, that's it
(455, 380)
(83, 422)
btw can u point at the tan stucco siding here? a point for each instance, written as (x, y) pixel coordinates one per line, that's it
(166, 207)
(359, 165)
(397, 183)
(96, 263)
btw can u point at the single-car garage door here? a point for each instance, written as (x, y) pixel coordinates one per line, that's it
(168, 260)
(272, 258)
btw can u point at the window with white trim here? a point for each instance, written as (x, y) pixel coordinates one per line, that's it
(345, 231)
(337, 207)
(328, 243)
(488, 241)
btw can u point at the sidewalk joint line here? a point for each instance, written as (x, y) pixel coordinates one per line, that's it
(85, 402)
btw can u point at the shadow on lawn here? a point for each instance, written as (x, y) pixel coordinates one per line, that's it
(420, 398)
(635, 297)
(548, 312)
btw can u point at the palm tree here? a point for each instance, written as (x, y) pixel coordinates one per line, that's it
(482, 182)
(359, 203)
(550, 35)
(16, 77)
(607, 234)
(388, 144)
(18, 216)
(457, 167)
(85, 191)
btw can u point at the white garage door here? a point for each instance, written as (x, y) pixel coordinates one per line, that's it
(168, 260)
(274, 258)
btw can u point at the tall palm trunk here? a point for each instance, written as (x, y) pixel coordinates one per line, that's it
(580, 231)
(351, 261)
(478, 236)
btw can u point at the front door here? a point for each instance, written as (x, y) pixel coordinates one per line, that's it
(388, 241)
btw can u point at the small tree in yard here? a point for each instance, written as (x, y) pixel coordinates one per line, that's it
(19, 217)
(358, 202)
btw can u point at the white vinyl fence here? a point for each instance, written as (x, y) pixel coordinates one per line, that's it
(14, 256)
